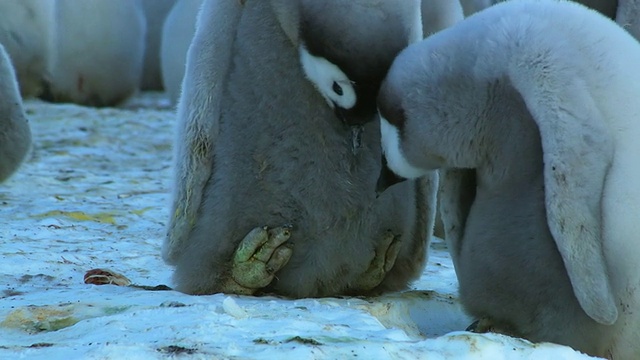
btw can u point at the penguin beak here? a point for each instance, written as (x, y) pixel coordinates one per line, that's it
(387, 178)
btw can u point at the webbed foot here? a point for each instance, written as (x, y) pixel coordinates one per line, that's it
(385, 257)
(256, 260)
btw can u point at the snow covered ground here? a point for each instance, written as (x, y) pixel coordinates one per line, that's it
(94, 194)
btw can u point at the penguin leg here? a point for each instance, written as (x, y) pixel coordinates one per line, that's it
(385, 257)
(256, 260)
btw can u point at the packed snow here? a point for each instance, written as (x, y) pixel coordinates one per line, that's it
(94, 194)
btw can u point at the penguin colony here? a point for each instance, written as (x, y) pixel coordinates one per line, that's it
(312, 138)
(93, 52)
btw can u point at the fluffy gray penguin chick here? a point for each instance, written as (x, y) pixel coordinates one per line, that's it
(15, 134)
(25, 33)
(177, 32)
(155, 13)
(97, 51)
(277, 126)
(529, 109)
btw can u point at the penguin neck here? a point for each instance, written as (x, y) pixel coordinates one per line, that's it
(493, 131)
(487, 128)
(511, 150)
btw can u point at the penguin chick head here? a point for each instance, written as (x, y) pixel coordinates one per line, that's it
(395, 166)
(346, 48)
(332, 83)
(387, 178)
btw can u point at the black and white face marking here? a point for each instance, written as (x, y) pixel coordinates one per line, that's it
(396, 161)
(332, 83)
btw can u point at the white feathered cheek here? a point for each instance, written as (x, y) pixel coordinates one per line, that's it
(396, 161)
(330, 81)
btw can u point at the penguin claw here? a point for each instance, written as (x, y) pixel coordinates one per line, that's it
(480, 326)
(383, 261)
(485, 325)
(473, 327)
(256, 260)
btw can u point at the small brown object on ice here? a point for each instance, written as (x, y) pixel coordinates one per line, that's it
(105, 277)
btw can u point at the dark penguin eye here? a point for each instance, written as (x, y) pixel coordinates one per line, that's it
(337, 89)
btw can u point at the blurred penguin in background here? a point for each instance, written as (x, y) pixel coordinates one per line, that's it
(25, 30)
(97, 51)
(15, 135)
(628, 16)
(155, 12)
(439, 14)
(625, 12)
(179, 28)
(606, 7)
(471, 7)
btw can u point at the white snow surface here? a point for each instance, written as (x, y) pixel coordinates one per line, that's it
(94, 193)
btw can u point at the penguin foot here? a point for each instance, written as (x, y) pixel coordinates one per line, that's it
(258, 257)
(385, 257)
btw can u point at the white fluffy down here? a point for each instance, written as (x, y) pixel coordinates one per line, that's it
(391, 148)
(323, 74)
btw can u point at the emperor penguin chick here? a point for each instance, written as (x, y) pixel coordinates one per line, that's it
(155, 14)
(98, 50)
(25, 33)
(15, 134)
(606, 7)
(471, 7)
(277, 153)
(177, 32)
(529, 109)
(628, 16)
(439, 14)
